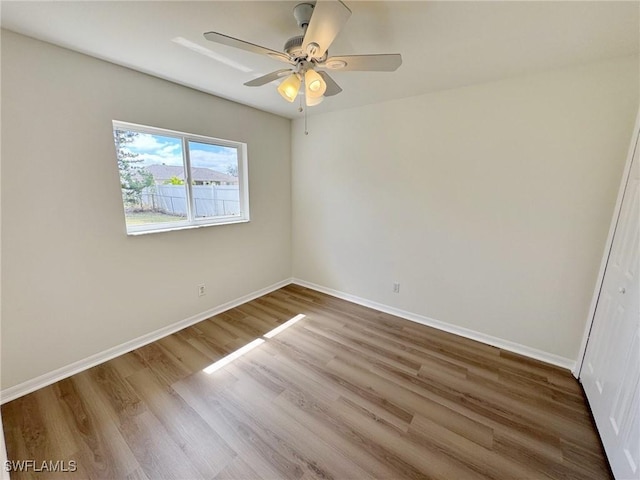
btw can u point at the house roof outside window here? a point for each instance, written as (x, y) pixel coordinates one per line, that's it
(162, 173)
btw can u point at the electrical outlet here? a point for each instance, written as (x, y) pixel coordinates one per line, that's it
(202, 290)
(396, 287)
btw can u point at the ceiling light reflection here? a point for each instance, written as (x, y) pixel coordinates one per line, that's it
(211, 54)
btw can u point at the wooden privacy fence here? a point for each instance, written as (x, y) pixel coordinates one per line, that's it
(209, 200)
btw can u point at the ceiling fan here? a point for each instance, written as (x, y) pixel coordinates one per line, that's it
(308, 54)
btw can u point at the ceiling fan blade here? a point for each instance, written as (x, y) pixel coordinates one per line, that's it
(332, 87)
(249, 47)
(371, 63)
(269, 77)
(328, 18)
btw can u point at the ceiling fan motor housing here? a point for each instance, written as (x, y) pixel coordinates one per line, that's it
(302, 12)
(293, 46)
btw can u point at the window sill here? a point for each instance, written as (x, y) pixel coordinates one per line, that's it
(185, 227)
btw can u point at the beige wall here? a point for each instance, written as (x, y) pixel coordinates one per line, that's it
(73, 283)
(489, 204)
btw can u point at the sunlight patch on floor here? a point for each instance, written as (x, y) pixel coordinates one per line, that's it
(284, 326)
(250, 346)
(232, 356)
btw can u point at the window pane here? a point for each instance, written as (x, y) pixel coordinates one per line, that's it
(158, 191)
(214, 180)
(152, 178)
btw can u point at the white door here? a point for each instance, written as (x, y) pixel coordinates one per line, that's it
(611, 369)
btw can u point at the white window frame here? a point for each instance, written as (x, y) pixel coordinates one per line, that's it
(190, 222)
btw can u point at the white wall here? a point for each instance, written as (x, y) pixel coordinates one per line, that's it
(490, 204)
(73, 283)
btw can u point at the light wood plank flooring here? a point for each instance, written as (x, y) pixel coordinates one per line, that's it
(344, 393)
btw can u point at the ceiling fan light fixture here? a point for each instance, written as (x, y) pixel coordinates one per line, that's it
(315, 86)
(312, 102)
(290, 87)
(321, 21)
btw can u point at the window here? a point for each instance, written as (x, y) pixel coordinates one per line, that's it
(173, 180)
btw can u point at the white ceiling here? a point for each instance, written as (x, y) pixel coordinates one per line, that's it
(443, 44)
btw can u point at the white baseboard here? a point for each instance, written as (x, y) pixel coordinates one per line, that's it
(447, 327)
(36, 383)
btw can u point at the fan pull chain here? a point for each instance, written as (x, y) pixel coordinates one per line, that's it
(301, 109)
(306, 131)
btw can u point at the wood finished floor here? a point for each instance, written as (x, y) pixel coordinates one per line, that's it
(345, 393)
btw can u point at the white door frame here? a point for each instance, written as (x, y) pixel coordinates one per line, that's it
(607, 249)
